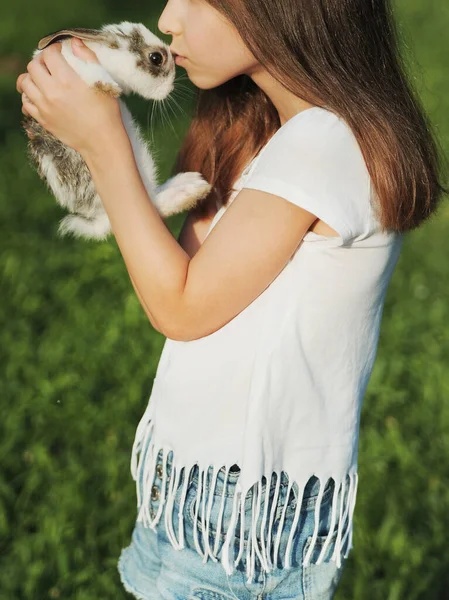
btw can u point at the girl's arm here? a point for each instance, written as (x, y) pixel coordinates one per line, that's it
(191, 236)
(190, 295)
(194, 230)
(186, 298)
(156, 263)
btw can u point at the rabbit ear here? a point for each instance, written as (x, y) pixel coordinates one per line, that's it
(85, 34)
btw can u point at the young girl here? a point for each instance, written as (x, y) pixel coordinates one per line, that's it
(321, 157)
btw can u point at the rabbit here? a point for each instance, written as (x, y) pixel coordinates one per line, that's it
(131, 59)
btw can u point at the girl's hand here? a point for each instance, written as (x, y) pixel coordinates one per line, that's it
(55, 95)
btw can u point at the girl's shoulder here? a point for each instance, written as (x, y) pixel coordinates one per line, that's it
(315, 161)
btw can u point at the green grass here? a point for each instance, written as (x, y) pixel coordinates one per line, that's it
(79, 357)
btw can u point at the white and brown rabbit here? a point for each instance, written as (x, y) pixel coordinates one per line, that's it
(131, 59)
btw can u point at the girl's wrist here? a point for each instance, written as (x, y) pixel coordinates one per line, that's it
(102, 146)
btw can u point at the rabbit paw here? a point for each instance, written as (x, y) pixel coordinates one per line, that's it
(181, 192)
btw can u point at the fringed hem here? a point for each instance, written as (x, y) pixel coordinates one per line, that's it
(147, 468)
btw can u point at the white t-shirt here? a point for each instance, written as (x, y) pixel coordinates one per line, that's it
(280, 386)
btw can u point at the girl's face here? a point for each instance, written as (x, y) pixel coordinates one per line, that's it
(213, 49)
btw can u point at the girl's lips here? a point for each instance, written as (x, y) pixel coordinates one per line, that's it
(179, 59)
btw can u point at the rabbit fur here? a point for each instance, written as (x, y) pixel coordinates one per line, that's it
(131, 59)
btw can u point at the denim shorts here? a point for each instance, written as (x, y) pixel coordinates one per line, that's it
(151, 568)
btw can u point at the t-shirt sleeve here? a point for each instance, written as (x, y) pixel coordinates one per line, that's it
(315, 162)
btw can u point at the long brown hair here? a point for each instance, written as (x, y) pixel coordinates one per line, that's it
(341, 55)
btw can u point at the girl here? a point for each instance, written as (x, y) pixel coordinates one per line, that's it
(321, 158)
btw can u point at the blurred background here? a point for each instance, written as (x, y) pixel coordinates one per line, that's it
(78, 357)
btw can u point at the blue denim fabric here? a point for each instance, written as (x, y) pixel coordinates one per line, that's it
(152, 569)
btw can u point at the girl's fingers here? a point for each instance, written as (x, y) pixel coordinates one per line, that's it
(32, 91)
(55, 63)
(39, 72)
(28, 108)
(19, 82)
(29, 131)
(80, 50)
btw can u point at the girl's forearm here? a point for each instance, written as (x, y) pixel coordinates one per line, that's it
(156, 263)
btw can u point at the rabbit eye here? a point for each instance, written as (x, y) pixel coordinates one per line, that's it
(156, 58)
